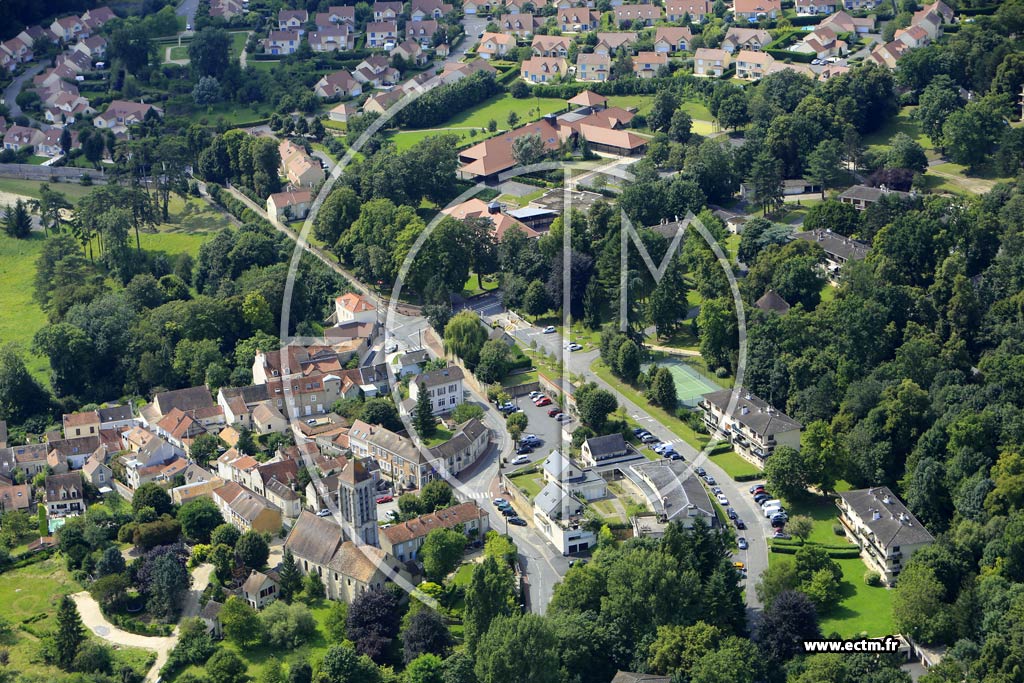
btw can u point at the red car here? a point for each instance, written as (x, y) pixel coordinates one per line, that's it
(554, 411)
(543, 401)
(384, 499)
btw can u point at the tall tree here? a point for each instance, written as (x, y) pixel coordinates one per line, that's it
(766, 180)
(500, 657)
(490, 594)
(17, 221)
(208, 52)
(69, 634)
(290, 582)
(441, 551)
(423, 418)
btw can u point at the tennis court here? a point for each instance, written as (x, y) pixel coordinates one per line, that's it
(690, 384)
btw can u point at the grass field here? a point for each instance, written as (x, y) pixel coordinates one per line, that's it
(179, 52)
(238, 39)
(440, 436)
(190, 224)
(404, 139)
(530, 482)
(22, 316)
(703, 121)
(30, 188)
(901, 123)
(499, 107)
(735, 466)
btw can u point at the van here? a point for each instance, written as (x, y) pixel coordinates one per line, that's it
(773, 501)
(772, 510)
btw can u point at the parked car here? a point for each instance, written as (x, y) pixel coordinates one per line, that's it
(716, 490)
(575, 347)
(543, 401)
(520, 460)
(534, 395)
(524, 449)
(506, 407)
(550, 329)
(781, 535)
(739, 523)
(709, 479)
(639, 431)
(741, 543)
(740, 567)
(650, 438)
(386, 498)
(778, 522)
(761, 497)
(754, 489)
(700, 471)
(563, 418)
(722, 500)
(517, 521)
(554, 411)
(731, 512)
(530, 440)
(508, 512)
(658, 447)
(324, 513)
(674, 456)
(500, 501)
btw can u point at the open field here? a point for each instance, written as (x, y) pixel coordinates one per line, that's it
(22, 317)
(725, 457)
(238, 39)
(30, 188)
(404, 139)
(499, 107)
(901, 123)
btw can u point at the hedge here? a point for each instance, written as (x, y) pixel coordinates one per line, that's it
(748, 477)
(976, 11)
(26, 559)
(138, 627)
(813, 20)
(845, 554)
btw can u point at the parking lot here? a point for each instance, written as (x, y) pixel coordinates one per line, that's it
(549, 431)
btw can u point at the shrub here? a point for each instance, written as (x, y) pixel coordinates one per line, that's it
(721, 372)
(838, 530)
(872, 578)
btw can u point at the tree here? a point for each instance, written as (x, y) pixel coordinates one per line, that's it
(373, 622)
(831, 215)
(69, 634)
(488, 595)
(786, 473)
(426, 668)
(823, 164)
(337, 214)
(500, 657)
(441, 552)
(290, 579)
(918, 606)
(21, 396)
(666, 102)
(677, 648)
(225, 666)
(205, 447)
(766, 180)
(790, 621)
(732, 111)
(423, 419)
(627, 362)
(241, 623)
(681, 127)
(225, 534)
(663, 389)
(287, 626)
(527, 149)
(206, 91)
(800, 526)
(495, 358)
(969, 133)
(152, 496)
(111, 562)
(594, 407)
(905, 152)
(464, 336)
(437, 494)
(93, 658)
(758, 235)
(936, 102)
(536, 301)
(199, 517)
(313, 586)
(342, 664)
(130, 45)
(336, 621)
(717, 328)
(426, 633)
(252, 549)
(17, 221)
(273, 672)
(167, 583)
(735, 661)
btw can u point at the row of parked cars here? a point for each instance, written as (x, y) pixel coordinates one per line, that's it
(772, 509)
(508, 511)
(665, 450)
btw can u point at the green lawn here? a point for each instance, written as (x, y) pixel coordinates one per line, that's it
(22, 316)
(237, 44)
(462, 575)
(190, 224)
(179, 52)
(262, 64)
(475, 285)
(404, 139)
(531, 482)
(901, 123)
(440, 436)
(828, 293)
(232, 114)
(703, 121)
(823, 511)
(30, 188)
(519, 378)
(499, 107)
(864, 609)
(735, 466)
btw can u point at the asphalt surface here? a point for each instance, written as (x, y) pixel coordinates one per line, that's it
(13, 89)
(187, 9)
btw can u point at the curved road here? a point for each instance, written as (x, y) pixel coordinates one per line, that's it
(12, 91)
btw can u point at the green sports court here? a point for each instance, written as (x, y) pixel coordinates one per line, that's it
(690, 384)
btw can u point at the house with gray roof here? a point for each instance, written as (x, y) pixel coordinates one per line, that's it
(463, 449)
(861, 197)
(674, 493)
(582, 482)
(753, 426)
(601, 450)
(886, 531)
(443, 386)
(772, 302)
(559, 515)
(839, 250)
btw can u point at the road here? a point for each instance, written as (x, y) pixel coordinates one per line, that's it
(187, 9)
(12, 91)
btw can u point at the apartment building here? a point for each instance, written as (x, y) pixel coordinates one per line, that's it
(886, 531)
(754, 427)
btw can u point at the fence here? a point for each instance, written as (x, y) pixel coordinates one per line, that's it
(48, 173)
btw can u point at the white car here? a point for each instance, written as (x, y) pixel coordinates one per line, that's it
(575, 347)
(550, 329)
(391, 347)
(520, 460)
(722, 500)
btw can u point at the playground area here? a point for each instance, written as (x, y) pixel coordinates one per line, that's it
(690, 384)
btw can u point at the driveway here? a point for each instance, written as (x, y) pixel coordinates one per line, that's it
(187, 9)
(94, 620)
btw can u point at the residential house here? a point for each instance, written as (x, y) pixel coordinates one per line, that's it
(282, 42)
(86, 423)
(259, 590)
(672, 39)
(453, 72)
(751, 66)
(754, 427)
(97, 473)
(518, 25)
(245, 509)
(399, 460)
(67, 29)
(93, 19)
(301, 169)
(514, 6)
(813, 7)
(179, 428)
(674, 494)
(20, 137)
(543, 69)
(757, 10)
(745, 39)
(29, 459)
(50, 145)
(495, 45)
(502, 221)
(649, 64)
(582, 482)
(403, 540)
(120, 114)
(292, 20)
(474, 7)
(343, 112)
(289, 206)
(423, 32)
(305, 396)
(335, 39)
(346, 571)
(577, 19)
(338, 84)
(888, 54)
(443, 386)
(679, 11)
(593, 67)
(861, 4)
(632, 677)
(861, 197)
(832, 70)
(598, 449)
(226, 9)
(147, 446)
(839, 250)
(410, 52)
(410, 363)
(421, 10)
(710, 62)
(342, 14)
(267, 419)
(210, 613)
(16, 498)
(626, 16)
(386, 11)
(887, 532)
(64, 495)
(823, 42)
(559, 517)
(842, 22)
(609, 42)
(465, 447)
(381, 34)
(772, 302)
(551, 46)
(352, 307)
